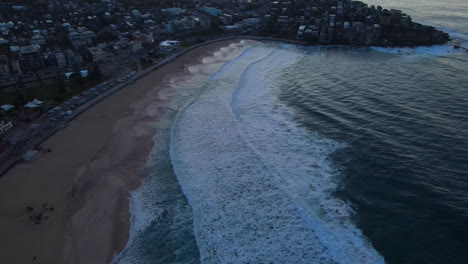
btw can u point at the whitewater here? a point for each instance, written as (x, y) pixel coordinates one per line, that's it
(261, 187)
(239, 174)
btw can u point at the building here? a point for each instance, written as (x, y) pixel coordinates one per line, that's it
(136, 46)
(323, 38)
(169, 46)
(213, 11)
(4, 45)
(385, 18)
(74, 36)
(283, 21)
(88, 35)
(312, 32)
(369, 35)
(300, 32)
(4, 127)
(61, 59)
(174, 11)
(406, 20)
(232, 28)
(169, 28)
(31, 58)
(377, 31)
(359, 32)
(37, 39)
(15, 63)
(4, 68)
(136, 13)
(71, 58)
(82, 34)
(98, 55)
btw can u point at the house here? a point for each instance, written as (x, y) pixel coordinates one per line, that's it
(385, 18)
(31, 58)
(4, 127)
(283, 21)
(169, 28)
(136, 46)
(213, 11)
(98, 55)
(136, 13)
(173, 11)
(232, 28)
(169, 46)
(37, 39)
(61, 59)
(359, 32)
(300, 32)
(4, 68)
(15, 63)
(72, 59)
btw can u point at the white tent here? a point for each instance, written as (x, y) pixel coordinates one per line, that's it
(7, 107)
(30, 105)
(35, 101)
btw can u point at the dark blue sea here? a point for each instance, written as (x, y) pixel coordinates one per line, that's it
(274, 153)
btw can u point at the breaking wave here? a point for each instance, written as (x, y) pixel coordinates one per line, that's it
(161, 218)
(261, 187)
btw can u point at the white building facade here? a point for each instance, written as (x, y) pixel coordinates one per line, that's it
(169, 46)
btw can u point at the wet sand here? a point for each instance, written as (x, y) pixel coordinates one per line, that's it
(81, 188)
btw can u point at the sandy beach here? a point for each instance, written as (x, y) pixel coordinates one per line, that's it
(80, 190)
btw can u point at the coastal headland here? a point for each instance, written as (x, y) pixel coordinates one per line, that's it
(348, 23)
(71, 205)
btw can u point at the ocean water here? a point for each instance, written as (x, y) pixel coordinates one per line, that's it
(273, 153)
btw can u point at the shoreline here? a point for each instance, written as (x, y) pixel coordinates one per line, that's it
(9, 163)
(87, 181)
(92, 180)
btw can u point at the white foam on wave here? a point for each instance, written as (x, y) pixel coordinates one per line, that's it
(456, 35)
(147, 204)
(459, 38)
(225, 53)
(261, 187)
(436, 50)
